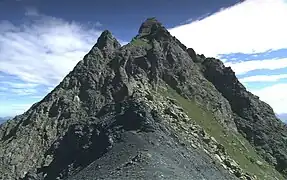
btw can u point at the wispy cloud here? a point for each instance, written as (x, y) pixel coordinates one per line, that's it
(263, 78)
(23, 92)
(43, 50)
(246, 66)
(15, 88)
(18, 85)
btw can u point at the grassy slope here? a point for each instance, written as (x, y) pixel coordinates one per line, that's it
(237, 147)
(139, 43)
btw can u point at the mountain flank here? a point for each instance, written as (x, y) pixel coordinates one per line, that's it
(152, 109)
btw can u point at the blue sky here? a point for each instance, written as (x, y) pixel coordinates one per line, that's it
(41, 41)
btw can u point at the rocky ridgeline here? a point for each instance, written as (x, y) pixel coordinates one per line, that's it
(189, 134)
(146, 110)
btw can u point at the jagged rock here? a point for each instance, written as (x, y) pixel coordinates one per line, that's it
(110, 118)
(192, 54)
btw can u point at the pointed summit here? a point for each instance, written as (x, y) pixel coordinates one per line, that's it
(107, 41)
(151, 27)
(106, 45)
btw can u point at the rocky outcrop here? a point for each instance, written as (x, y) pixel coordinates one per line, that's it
(112, 117)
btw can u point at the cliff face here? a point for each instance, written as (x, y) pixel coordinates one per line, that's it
(151, 109)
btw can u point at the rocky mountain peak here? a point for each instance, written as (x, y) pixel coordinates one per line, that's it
(152, 28)
(107, 41)
(151, 109)
(106, 45)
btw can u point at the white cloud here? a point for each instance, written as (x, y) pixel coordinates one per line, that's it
(254, 26)
(246, 66)
(275, 96)
(9, 89)
(23, 92)
(19, 85)
(263, 78)
(43, 50)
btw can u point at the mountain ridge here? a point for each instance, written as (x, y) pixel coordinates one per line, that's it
(3, 119)
(101, 101)
(283, 117)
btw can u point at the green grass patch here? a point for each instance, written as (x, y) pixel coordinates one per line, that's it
(237, 147)
(140, 43)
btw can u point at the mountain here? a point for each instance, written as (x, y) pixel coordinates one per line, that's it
(283, 117)
(152, 109)
(3, 119)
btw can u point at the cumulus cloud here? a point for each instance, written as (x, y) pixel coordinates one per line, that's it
(253, 26)
(263, 78)
(246, 66)
(274, 95)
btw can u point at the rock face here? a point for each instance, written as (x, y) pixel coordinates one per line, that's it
(151, 109)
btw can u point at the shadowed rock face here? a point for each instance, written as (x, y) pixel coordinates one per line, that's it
(110, 119)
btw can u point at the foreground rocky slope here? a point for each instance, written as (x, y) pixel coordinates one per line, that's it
(151, 109)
